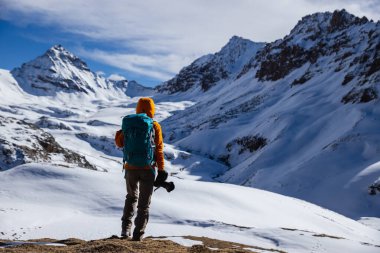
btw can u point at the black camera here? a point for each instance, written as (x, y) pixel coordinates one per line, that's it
(161, 181)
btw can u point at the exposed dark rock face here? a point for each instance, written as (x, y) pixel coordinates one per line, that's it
(27, 143)
(375, 65)
(46, 122)
(225, 159)
(348, 78)
(341, 20)
(303, 79)
(247, 143)
(205, 76)
(277, 66)
(360, 96)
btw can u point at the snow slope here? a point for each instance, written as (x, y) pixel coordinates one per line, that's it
(45, 201)
(301, 118)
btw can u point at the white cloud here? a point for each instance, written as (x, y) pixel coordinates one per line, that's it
(164, 35)
(116, 77)
(100, 73)
(161, 67)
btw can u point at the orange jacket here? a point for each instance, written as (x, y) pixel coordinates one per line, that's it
(146, 105)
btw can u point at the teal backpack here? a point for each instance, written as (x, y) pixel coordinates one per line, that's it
(138, 140)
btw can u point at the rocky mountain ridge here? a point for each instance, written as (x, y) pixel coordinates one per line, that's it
(352, 43)
(206, 71)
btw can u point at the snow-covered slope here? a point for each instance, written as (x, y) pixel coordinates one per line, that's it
(300, 119)
(40, 201)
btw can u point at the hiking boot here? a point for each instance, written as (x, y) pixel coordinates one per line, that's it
(137, 237)
(125, 233)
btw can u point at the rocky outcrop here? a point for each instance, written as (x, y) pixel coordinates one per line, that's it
(247, 143)
(360, 95)
(50, 123)
(115, 244)
(24, 142)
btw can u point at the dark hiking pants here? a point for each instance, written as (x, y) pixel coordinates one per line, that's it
(139, 190)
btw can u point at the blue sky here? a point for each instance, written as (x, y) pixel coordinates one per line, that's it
(20, 44)
(151, 40)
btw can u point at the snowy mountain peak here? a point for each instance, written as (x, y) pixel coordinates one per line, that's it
(234, 50)
(342, 19)
(235, 42)
(58, 70)
(208, 70)
(326, 22)
(58, 52)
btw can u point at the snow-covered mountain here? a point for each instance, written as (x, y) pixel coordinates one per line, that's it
(57, 70)
(208, 70)
(301, 118)
(60, 71)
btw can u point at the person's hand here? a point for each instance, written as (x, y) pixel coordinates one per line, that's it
(161, 178)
